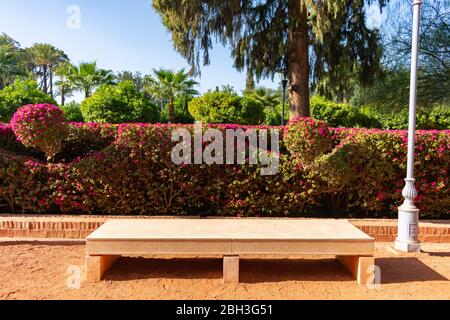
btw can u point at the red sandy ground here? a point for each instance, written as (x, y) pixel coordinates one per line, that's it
(39, 271)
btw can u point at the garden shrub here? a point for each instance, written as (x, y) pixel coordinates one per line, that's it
(182, 114)
(216, 107)
(252, 111)
(307, 139)
(22, 92)
(72, 111)
(273, 114)
(439, 118)
(227, 107)
(40, 126)
(341, 114)
(366, 172)
(122, 103)
(344, 172)
(436, 118)
(8, 140)
(85, 139)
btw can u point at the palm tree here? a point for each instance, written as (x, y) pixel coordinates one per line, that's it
(7, 64)
(167, 85)
(66, 73)
(88, 77)
(43, 58)
(10, 60)
(268, 97)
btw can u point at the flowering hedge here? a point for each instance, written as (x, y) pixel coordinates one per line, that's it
(127, 169)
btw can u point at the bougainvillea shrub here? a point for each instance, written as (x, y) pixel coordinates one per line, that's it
(307, 138)
(8, 140)
(127, 169)
(86, 138)
(40, 126)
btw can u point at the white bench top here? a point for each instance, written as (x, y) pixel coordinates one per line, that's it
(228, 237)
(228, 229)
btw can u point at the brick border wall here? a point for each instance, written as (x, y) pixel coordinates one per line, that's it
(76, 228)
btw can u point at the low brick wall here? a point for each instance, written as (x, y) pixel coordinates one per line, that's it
(79, 227)
(386, 230)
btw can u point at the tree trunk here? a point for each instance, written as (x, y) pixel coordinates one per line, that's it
(51, 81)
(45, 79)
(298, 59)
(171, 111)
(63, 96)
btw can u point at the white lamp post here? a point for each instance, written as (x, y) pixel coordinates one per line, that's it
(408, 220)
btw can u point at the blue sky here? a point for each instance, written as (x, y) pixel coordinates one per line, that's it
(119, 34)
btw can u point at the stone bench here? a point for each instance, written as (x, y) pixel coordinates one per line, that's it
(232, 239)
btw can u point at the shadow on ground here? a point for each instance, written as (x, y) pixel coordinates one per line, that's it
(404, 270)
(251, 271)
(56, 243)
(394, 270)
(438, 254)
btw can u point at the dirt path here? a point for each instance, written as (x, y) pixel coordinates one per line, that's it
(40, 271)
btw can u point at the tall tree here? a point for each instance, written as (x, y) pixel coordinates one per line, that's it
(43, 59)
(88, 77)
(136, 77)
(271, 36)
(11, 65)
(434, 49)
(390, 93)
(66, 74)
(168, 85)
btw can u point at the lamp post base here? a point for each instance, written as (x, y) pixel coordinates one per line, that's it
(408, 247)
(408, 229)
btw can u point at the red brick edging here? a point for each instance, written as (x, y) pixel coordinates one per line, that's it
(79, 227)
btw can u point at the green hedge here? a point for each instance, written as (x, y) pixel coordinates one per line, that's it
(437, 118)
(347, 116)
(342, 115)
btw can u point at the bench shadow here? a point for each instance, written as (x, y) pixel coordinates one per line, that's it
(405, 270)
(273, 271)
(438, 254)
(251, 271)
(126, 269)
(56, 243)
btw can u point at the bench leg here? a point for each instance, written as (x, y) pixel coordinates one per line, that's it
(360, 267)
(231, 269)
(96, 266)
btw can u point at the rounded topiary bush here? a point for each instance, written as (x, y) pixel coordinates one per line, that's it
(216, 107)
(122, 103)
(252, 111)
(227, 107)
(307, 139)
(40, 126)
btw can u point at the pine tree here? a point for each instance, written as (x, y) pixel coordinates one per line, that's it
(271, 36)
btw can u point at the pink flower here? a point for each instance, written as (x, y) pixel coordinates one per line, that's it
(381, 196)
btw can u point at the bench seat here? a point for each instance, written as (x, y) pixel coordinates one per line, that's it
(230, 238)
